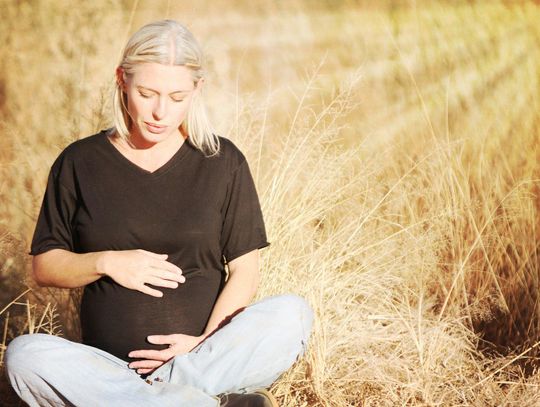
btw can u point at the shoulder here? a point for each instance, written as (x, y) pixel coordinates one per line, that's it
(229, 155)
(83, 145)
(77, 150)
(230, 150)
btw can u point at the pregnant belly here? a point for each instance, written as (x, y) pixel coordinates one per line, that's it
(118, 320)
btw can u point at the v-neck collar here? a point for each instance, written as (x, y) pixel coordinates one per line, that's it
(142, 171)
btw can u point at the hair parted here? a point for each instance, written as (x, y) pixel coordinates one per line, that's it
(167, 42)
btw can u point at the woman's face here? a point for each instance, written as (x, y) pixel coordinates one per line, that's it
(158, 99)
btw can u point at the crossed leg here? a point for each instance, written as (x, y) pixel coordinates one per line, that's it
(251, 351)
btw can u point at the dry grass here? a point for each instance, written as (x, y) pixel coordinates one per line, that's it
(396, 155)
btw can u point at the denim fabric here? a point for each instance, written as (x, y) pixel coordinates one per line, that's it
(248, 351)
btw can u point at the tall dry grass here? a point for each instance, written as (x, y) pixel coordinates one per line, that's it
(395, 150)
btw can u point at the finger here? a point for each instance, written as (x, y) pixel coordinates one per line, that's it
(145, 364)
(167, 275)
(162, 339)
(144, 371)
(151, 354)
(170, 275)
(156, 255)
(166, 265)
(150, 291)
(173, 275)
(157, 281)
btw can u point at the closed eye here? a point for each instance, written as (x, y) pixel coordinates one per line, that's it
(146, 96)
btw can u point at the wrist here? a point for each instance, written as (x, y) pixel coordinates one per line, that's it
(102, 260)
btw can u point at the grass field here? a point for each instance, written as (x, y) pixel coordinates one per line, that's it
(395, 147)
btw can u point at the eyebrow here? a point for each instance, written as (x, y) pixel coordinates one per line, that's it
(172, 93)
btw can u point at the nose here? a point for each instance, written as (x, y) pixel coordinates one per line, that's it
(160, 108)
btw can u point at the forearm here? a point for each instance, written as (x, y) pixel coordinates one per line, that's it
(64, 269)
(237, 292)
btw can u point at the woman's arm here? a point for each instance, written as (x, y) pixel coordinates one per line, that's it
(130, 268)
(64, 269)
(239, 289)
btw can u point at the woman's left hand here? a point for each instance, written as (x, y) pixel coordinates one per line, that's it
(178, 345)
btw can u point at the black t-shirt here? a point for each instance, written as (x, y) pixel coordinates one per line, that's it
(201, 211)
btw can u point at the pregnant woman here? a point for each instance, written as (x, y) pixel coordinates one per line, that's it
(159, 220)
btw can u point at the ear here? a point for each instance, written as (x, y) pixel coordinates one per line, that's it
(120, 78)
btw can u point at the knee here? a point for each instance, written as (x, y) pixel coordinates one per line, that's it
(294, 310)
(14, 357)
(22, 352)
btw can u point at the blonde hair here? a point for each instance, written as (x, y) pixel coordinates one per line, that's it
(167, 42)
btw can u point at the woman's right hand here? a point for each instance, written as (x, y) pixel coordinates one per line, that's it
(134, 269)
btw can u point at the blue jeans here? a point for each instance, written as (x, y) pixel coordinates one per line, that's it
(249, 352)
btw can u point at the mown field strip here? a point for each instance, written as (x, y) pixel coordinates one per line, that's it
(502, 117)
(468, 85)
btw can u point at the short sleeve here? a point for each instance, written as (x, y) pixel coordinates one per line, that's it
(54, 224)
(243, 225)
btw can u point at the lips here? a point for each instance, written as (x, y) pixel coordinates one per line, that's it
(157, 126)
(154, 128)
